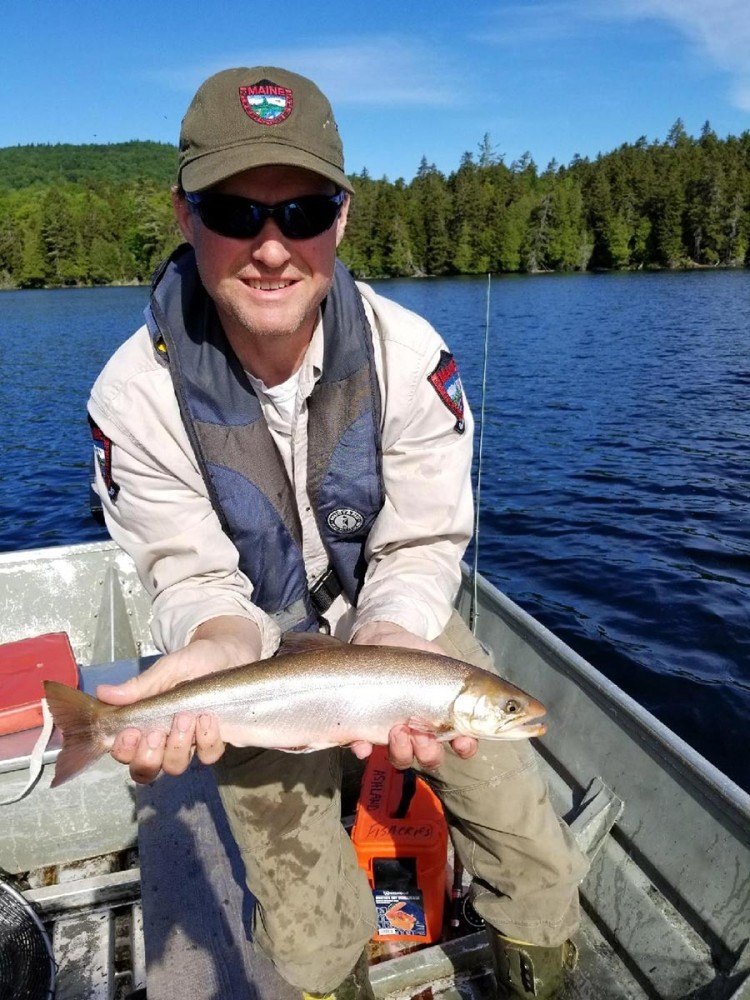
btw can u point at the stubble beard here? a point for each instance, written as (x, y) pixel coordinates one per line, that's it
(242, 323)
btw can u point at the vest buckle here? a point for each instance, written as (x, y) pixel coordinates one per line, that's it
(325, 591)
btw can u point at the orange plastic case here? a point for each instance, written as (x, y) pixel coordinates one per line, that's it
(23, 667)
(401, 839)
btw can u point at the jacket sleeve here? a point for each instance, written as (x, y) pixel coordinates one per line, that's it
(161, 514)
(415, 547)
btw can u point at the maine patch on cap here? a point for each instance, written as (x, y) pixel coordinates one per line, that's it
(266, 102)
(447, 383)
(258, 116)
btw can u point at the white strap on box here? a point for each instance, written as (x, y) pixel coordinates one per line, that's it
(36, 761)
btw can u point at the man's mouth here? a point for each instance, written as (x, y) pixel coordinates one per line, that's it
(266, 285)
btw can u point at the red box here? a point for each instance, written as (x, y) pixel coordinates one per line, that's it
(401, 839)
(23, 667)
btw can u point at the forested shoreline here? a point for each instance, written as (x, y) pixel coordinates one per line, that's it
(95, 214)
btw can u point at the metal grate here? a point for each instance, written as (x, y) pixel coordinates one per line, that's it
(94, 916)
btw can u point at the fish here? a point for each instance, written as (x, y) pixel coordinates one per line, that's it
(316, 692)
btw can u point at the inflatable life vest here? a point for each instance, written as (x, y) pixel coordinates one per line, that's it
(245, 475)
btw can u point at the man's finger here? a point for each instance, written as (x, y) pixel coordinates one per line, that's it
(125, 745)
(147, 760)
(122, 694)
(464, 746)
(156, 679)
(427, 750)
(361, 749)
(160, 676)
(208, 741)
(400, 749)
(178, 749)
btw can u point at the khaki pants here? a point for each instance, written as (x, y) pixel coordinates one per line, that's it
(315, 911)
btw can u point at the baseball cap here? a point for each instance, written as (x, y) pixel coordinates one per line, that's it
(256, 117)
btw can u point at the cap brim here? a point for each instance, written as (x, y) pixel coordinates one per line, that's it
(211, 168)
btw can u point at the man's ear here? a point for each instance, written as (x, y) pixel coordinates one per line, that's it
(183, 214)
(341, 220)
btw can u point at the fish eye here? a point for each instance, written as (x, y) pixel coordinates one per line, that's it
(512, 706)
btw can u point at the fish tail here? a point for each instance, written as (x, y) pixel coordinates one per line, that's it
(76, 714)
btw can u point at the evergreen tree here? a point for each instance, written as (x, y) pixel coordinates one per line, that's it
(356, 249)
(432, 209)
(471, 199)
(61, 239)
(11, 240)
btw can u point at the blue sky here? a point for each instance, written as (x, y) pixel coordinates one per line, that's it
(407, 78)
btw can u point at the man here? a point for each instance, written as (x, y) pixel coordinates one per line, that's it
(278, 449)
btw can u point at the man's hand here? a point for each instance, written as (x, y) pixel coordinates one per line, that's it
(404, 746)
(216, 645)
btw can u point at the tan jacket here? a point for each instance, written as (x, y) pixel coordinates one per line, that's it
(164, 519)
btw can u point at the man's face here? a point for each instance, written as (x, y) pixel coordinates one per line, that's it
(269, 285)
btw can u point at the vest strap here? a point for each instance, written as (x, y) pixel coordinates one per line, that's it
(325, 591)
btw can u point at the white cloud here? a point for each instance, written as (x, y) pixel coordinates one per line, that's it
(741, 95)
(519, 23)
(382, 71)
(718, 29)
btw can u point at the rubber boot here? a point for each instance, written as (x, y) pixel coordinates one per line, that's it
(531, 970)
(356, 986)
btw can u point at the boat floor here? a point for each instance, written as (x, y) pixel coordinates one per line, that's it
(151, 923)
(92, 911)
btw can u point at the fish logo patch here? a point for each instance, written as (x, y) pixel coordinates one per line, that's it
(446, 382)
(345, 521)
(266, 102)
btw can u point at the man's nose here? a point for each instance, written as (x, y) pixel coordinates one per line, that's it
(270, 246)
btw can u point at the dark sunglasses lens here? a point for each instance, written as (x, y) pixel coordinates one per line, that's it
(306, 217)
(230, 215)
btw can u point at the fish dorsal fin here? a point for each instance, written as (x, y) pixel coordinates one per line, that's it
(307, 642)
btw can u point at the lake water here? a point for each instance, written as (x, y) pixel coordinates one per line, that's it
(614, 482)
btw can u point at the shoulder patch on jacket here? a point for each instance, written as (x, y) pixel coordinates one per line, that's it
(446, 382)
(103, 457)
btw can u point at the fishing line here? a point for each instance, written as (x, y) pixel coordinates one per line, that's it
(473, 612)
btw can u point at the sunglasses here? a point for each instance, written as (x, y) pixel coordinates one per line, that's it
(242, 218)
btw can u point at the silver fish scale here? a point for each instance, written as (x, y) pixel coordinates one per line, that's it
(311, 700)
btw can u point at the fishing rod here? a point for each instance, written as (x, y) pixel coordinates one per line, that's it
(473, 609)
(461, 910)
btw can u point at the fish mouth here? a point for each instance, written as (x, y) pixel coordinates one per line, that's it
(534, 728)
(523, 730)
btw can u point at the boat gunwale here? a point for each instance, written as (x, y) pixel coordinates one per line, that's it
(701, 774)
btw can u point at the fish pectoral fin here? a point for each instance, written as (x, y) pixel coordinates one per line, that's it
(307, 642)
(296, 749)
(441, 733)
(417, 725)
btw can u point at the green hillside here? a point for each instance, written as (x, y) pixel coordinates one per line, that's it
(120, 162)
